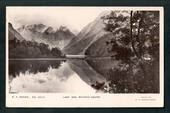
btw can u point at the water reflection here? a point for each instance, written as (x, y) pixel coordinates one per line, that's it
(127, 78)
(82, 76)
(45, 76)
(32, 66)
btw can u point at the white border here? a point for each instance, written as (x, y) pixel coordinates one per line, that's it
(105, 100)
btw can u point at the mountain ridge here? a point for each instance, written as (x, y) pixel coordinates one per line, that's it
(13, 33)
(94, 34)
(90, 33)
(46, 34)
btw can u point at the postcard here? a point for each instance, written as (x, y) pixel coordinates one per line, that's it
(72, 56)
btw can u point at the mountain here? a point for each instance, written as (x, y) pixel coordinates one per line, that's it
(45, 34)
(12, 33)
(87, 36)
(20, 48)
(92, 38)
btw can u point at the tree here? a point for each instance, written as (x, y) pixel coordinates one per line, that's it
(137, 31)
(28, 49)
(135, 40)
(56, 52)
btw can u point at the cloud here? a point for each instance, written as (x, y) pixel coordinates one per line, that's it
(74, 18)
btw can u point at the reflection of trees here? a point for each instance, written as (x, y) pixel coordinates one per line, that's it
(31, 66)
(121, 80)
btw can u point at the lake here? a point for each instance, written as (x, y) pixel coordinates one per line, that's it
(52, 76)
(98, 75)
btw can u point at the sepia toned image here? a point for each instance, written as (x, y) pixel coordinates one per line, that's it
(84, 50)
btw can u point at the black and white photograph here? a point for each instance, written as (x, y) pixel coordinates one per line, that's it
(84, 50)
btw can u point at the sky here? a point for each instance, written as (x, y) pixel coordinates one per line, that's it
(74, 18)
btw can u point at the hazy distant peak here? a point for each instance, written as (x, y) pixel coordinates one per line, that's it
(49, 30)
(33, 27)
(63, 28)
(36, 26)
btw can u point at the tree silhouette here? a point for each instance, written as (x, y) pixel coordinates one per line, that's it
(28, 49)
(135, 40)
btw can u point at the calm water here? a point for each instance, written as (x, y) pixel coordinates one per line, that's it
(52, 76)
(79, 76)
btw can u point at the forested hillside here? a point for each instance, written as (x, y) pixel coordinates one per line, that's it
(20, 48)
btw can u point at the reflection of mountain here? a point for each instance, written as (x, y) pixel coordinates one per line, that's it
(44, 34)
(37, 76)
(86, 72)
(22, 66)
